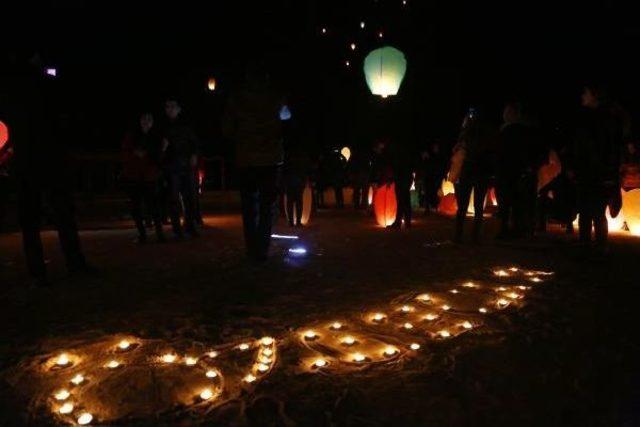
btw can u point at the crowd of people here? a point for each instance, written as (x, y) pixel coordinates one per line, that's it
(160, 158)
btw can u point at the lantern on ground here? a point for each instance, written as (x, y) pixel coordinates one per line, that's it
(384, 204)
(384, 70)
(448, 205)
(631, 205)
(4, 134)
(211, 84)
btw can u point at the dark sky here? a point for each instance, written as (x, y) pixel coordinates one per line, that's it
(116, 57)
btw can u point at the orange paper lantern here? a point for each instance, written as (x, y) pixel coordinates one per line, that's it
(4, 134)
(448, 205)
(384, 204)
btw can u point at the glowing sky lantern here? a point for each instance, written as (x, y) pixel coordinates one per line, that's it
(384, 69)
(285, 113)
(211, 84)
(4, 134)
(346, 153)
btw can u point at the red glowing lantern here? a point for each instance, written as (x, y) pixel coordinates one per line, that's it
(385, 205)
(4, 134)
(448, 205)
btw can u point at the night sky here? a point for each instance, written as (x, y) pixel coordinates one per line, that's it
(118, 58)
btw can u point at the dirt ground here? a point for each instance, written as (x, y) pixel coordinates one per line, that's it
(568, 357)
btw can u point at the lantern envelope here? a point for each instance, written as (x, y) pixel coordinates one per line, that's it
(4, 134)
(384, 70)
(385, 205)
(631, 206)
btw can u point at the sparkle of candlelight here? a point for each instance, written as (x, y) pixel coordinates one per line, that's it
(62, 360)
(482, 310)
(78, 379)
(190, 361)
(469, 285)
(212, 354)
(431, 317)
(211, 374)
(336, 325)
(503, 302)
(501, 273)
(390, 351)
(444, 333)
(407, 326)
(424, 297)
(414, 346)
(168, 358)
(267, 352)
(123, 345)
(206, 394)
(113, 364)
(467, 325)
(406, 309)
(348, 340)
(267, 341)
(249, 378)
(243, 347)
(67, 408)
(320, 363)
(454, 291)
(358, 357)
(262, 367)
(378, 317)
(446, 307)
(62, 394)
(85, 418)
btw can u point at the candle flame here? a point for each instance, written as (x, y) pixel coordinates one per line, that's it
(67, 408)
(85, 419)
(62, 395)
(206, 394)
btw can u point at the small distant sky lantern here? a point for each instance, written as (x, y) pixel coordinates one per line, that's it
(211, 84)
(352, 46)
(384, 69)
(384, 205)
(4, 134)
(346, 153)
(285, 113)
(50, 71)
(347, 63)
(362, 25)
(323, 30)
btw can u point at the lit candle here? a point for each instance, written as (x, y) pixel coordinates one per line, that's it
(348, 340)
(113, 364)
(123, 345)
(502, 302)
(78, 379)
(536, 279)
(62, 360)
(446, 307)
(424, 297)
(406, 309)
(467, 325)
(336, 325)
(206, 394)
(243, 347)
(378, 317)
(414, 346)
(523, 288)
(211, 374)
(249, 378)
(62, 395)
(267, 352)
(310, 335)
(262, 368)
(267, 341)
(501, 273)
(514, 269)
(431, 317)
(513, 295)
(190, 361)
(169, 358)
(265, 360)
(85, 418)
(212, 354)
(444, 333)
(320, 363)
(67, 408)
(454, 291)
(390, 351)
(482, 310)
(502, 289)
(358, 357)
(407, 326)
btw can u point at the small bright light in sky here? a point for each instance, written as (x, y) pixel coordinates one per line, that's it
(362, 24)
(285, 113)
(324, 31)
(298, 251)
(51, 72)
(381, 34)
(353, 46)
(347, 63)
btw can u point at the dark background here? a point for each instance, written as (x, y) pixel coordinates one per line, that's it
(117, 58)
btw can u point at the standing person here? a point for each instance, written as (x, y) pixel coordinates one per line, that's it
(296, 174)
(252, 121)
(180, 149)
(41, 165)
(434, 166)
(402, 167)
(141, 173)
(359, 172)
(475, 146)
(596, 162)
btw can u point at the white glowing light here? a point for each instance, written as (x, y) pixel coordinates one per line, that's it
(444, 333)
(310, 335)
(53, 72)
(249, 378)
(63, 360)
(324, 31)
(265, 360)
(285, 113)
(212, 354)
(390, 351)
(358, 357)
(501, 273)
(407, 326)
(469, 285)
(243, 347)
(503, 302)
(262, 367)
(124, 344)
(267, 352)
(211, 374)
(284, 237)
(431, 317)
(62, 394)
(414, 346)
(352, 46)
(446, 307)
(406, 309)
(168, 358)
(298, 251)
(85, 419)
(336, 325)
(536, 279)
(206, 394)
(267, 341)
(362, 24)
(502, 289)
(348, 340)
(514, 269)
(78, 379)
(378, 317)
(482, 310)
(190, 361)
(320, 363)
(454, 291)
(424, 297)
(67, 408)
(513, 295)
(467, 325)
(113, 364)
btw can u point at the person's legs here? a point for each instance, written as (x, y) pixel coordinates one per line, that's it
(136, 197)
(187, 190)
(505, 194)
(267, 195)
(480, 193)
(599, 209)
(585, 213)
(298, 199)
(339, 196)
(152, 199)
(463, 194)
(30, 209)
(63, 207)
(249, 198)
(174, 203)
(291, 200)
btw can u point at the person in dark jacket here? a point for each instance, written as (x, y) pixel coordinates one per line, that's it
(402, 166)
(477, 140)
(519, 156)
(252, 121)
(180, 150)
(28, 107)
(140, 175)
(596, 162)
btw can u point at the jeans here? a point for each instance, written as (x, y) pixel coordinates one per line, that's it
(463, 195)
(294, 198)
(592, 205)
(258, 191)
(182, 186)
(145, 195)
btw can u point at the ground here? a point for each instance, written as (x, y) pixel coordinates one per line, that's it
(566, 357)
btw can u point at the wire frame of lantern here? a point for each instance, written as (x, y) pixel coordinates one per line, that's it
(384, 70)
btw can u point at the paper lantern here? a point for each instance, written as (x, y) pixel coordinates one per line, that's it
(448, 205)
(385, 205)
(307, 204)
(285, 113)
(384, 69)
(613, 224)
(447, 187)
(370, 196)
(346, 153)
(211, 84)
(631, 206)
(4, 134)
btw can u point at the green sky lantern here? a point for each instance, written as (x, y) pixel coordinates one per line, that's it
(384, 69)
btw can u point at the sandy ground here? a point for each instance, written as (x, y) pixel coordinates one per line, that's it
(567, 358)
